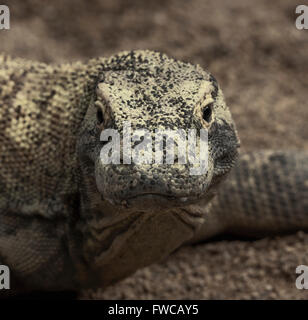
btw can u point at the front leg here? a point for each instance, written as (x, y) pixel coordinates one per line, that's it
(35, 250)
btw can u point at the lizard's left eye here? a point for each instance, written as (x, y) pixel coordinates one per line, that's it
(100, 116)
(207, 113)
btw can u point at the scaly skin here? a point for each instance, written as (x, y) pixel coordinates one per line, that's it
(266, 194)
(68, 220)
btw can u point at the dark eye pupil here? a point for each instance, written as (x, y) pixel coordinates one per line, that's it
(207, 113)
(100, 117)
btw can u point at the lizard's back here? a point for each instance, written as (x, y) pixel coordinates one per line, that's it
(41, 108)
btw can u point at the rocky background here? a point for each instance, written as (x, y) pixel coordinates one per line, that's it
(261, 62)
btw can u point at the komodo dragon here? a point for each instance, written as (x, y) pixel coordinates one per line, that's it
(70, 221)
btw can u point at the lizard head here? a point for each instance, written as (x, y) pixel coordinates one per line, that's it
(136, 184)
(145, 104)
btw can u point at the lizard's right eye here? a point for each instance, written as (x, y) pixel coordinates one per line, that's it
(99, 116)
(207, 113)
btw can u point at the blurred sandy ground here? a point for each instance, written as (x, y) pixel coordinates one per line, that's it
(260, 60)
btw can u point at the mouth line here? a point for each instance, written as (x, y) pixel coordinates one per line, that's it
(184, 198)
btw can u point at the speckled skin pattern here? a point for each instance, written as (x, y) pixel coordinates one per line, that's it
(68, 221)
